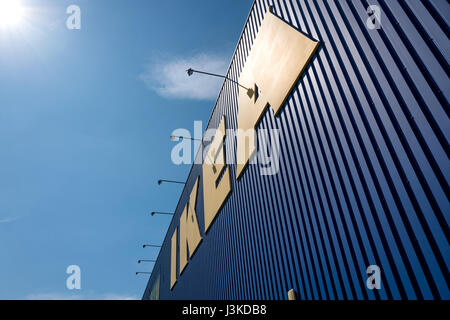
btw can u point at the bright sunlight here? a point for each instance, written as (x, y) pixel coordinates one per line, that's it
(11, 13)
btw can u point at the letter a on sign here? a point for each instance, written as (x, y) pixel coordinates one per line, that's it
(277, 59)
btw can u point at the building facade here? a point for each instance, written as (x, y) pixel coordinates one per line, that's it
(361, 186)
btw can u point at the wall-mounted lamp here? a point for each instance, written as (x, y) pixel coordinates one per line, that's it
(158, 212)
(139, 261)
(169, 181)
(178, 138)
(151, 245)
(141, 272)
(250, 91)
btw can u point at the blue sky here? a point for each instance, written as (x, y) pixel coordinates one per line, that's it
(85, 120)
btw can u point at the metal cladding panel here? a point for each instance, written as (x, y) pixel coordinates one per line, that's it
(364, 166)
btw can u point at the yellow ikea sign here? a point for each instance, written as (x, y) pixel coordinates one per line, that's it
(277, 59)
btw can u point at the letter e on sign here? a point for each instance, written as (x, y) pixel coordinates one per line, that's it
(215, 191)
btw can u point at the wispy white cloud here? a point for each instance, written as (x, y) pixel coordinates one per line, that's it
(6, 220)
(69, 296)
(168, 77)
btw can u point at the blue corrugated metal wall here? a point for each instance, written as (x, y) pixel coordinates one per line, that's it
(364, 166)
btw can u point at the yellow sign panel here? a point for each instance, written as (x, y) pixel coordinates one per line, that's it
(277, 59)
(216, 188)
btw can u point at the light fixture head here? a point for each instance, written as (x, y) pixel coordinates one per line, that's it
(159, 182)
(190, 71)
(250, 92)
(153, 213)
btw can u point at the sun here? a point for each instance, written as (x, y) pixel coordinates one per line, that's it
(11, 13)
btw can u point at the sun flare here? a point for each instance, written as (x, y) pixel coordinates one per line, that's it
(11, 13)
